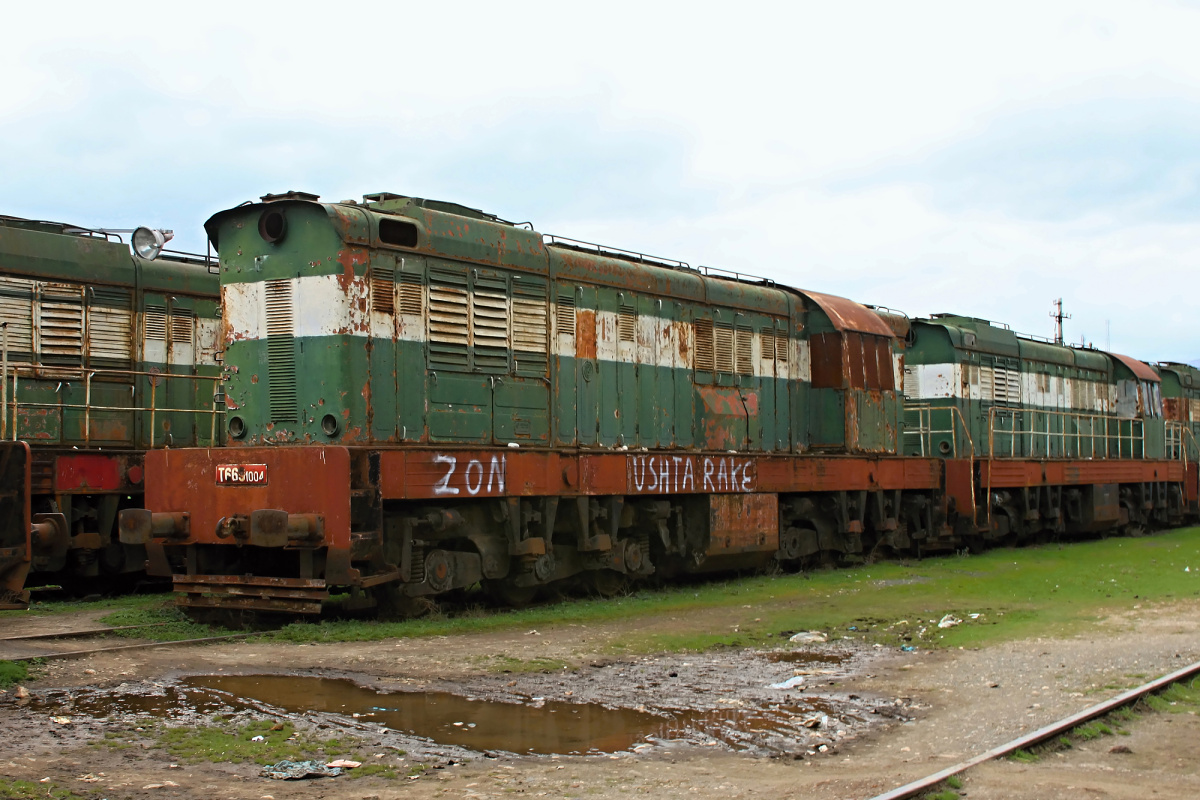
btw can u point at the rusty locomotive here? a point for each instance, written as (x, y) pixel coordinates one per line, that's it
(106, 350)
(421, 397)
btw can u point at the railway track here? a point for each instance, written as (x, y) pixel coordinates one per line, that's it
(30, 646)
(1065, 724)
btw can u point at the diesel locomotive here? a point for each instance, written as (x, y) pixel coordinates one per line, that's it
(104, 354)
(421, 397)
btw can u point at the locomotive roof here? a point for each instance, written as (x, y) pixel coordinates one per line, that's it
(454, 231)
(59, 251)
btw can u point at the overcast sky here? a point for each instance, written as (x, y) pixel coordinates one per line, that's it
(978, 159)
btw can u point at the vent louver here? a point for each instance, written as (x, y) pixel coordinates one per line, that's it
(281, 351)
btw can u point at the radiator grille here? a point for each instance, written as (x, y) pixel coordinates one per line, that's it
(60, 325)
(531, 326)
(110, 328)
(281, 350)
(16, 309)
(564, 315)
(627, 324)
(704, 345)
(744, 350)
(411, 293)
(383, 290)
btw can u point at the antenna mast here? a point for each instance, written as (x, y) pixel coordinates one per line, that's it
(1059, 316)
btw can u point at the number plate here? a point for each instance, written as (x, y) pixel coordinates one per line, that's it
(241, 474)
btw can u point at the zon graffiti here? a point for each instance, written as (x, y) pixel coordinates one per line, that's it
(474, 477)
(670, 474)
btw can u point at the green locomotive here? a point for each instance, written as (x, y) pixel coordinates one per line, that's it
(971, 382)
(103, 355)
(422, 397)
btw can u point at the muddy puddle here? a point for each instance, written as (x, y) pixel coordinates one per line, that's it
(804, 657)
(167, 702)
(538, 726)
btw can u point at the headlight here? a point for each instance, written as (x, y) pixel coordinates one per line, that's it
(149, 242)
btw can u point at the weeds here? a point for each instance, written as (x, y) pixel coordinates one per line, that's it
(29, 790)
(12, 673)
(1001, 595)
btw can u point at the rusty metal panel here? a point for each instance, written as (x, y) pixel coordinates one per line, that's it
(742, 523)
(87, 472)
(299, 480)
(847, 315)
(1019, 474)
(1141, 370)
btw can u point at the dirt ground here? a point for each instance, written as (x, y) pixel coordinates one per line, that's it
(863, 719)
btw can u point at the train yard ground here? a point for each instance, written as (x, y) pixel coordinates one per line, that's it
(924, 664)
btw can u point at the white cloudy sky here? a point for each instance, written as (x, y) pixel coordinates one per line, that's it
(928, 156)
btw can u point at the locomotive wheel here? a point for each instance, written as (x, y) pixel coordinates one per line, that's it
(789, 544)
(392, 603)
(606, 582)
(509, 594)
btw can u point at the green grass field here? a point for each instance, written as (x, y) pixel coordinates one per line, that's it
(1049, 590)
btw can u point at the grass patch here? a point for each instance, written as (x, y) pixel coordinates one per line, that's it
(1024, 757)
(944, 794)
(30, 790)
(508, 664)
(229, 742)
(954, 782)
(1091, 730)
(170, 623)
(1051, 590)
(12, 673)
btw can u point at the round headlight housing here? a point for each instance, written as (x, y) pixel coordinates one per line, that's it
(272, 226)
(149, 242)
(237, 427)
(329, 425)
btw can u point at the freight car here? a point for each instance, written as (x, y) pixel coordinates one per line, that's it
(103, 355)
(422, 397)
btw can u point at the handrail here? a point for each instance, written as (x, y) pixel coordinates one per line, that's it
(925, 431)
(1092, 436)
(87, 406)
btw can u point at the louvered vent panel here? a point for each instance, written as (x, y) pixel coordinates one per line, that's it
(155, 320)
(183, 326)
(781, 348)
(281, 350)
(744, 344)
(110, 328)
(627, 324)
(564, 315)
(531, 327)
(60, 324)
(489, 325)
(704, 345)
(1014, 386)
(411, 293)
(449, 320)
(985, 384)
(16, 310)
(383, 291)
(723, 350)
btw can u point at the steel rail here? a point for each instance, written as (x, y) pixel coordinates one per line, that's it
(141, 646)
(81, 632)
(1041, 734)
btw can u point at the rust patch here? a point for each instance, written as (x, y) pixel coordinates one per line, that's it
(724, 401)
(585, 334)
(254, 378)
(743, 522)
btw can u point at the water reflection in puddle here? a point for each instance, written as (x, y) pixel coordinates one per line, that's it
(542, 727)
(807, 657)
